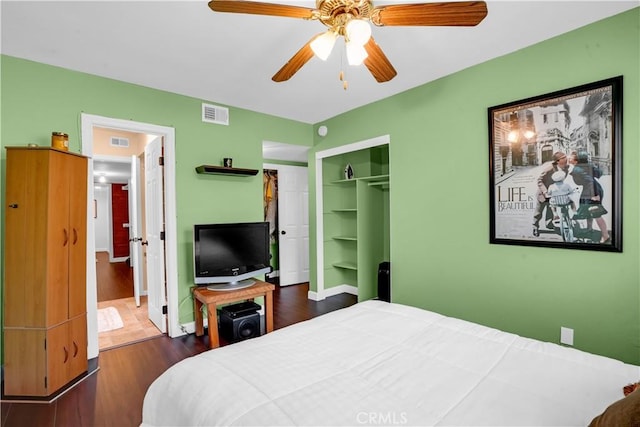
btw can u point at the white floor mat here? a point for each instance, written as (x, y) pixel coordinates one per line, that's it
(109, 319)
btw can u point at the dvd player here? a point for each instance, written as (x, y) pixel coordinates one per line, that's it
(240, 309)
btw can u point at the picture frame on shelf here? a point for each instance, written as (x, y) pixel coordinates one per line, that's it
(576, 132)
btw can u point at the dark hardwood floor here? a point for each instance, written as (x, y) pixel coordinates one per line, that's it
(113, 395)
(114, 280)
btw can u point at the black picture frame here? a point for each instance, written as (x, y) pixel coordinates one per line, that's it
(576, 131)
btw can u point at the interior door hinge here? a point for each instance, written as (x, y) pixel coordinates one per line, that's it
(161, 161)
(45, 383)
(162, 235)
(164, 309)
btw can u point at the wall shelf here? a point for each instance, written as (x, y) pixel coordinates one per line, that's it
(221, 170)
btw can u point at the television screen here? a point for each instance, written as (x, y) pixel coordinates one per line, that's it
(230, 255)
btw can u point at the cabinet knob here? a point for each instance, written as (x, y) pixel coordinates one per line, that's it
(13, 205)
(283, 232)
(144, 242)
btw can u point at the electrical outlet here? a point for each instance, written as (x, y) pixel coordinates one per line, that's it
(566, 336)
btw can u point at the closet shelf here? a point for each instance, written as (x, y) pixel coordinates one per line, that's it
(221, 170)
(351, 238)
(346, 265)
(370, 179)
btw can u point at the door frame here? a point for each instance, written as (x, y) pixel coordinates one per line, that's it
(88, 122)
(320, 293)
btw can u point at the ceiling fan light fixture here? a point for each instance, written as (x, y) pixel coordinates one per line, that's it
(358, 31)
(352, 20)
(323, 44)
(356, 53)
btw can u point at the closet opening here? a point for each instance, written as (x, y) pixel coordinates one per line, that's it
(270, 196)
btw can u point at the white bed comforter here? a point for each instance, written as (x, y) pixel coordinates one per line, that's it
(377, 363)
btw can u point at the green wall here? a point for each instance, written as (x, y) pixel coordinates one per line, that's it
(38, 99)
(440, 253)
(439, 214)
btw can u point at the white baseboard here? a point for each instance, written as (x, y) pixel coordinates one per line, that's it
(189, 328)
(335, 290)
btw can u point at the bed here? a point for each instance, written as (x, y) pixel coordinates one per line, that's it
(378, 363)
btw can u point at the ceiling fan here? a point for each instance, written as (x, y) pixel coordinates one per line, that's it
(351, 20)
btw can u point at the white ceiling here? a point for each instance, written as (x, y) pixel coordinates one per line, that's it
(281, 151)
(185, 48)
(114, 170)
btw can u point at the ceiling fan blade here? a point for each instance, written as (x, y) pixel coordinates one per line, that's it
(467, 13)
(296, 62)
(378, 63)
(259, 8)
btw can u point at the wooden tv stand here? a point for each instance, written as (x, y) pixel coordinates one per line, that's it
(202, 295)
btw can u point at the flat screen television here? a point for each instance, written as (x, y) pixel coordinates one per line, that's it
(229, 256)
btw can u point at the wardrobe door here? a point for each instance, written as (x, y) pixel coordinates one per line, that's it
(16, 246)
(58, 357)
(59, 239)
(78, 236)
(25, 362)
(77, 346)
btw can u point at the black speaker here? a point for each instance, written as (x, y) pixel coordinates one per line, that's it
(384, 281)
(239, 321)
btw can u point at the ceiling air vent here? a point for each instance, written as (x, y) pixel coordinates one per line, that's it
(215, 114)
(117, 141)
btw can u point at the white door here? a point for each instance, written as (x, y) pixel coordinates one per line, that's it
(135, 228)
(154, 222)
(293, 224)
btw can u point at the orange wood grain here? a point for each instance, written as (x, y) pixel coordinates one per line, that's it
(212, 298)
(45, 286)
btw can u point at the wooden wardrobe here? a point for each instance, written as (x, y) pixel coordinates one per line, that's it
(45, 327)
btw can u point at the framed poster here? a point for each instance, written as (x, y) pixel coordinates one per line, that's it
(555, 172)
